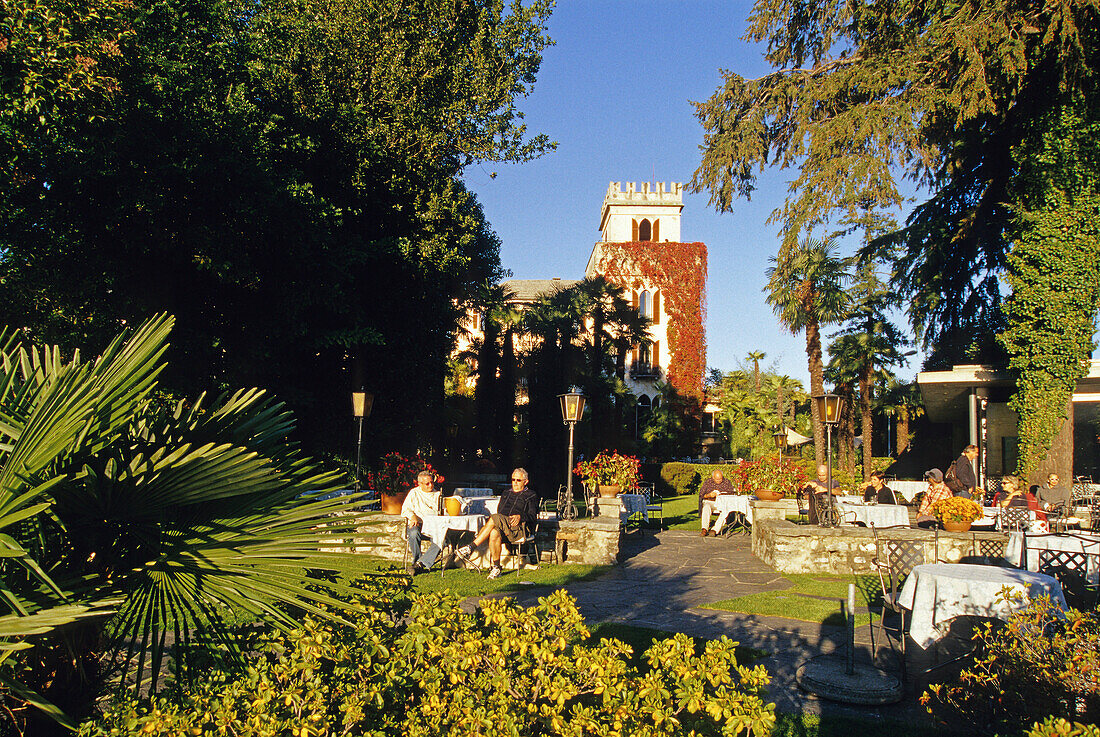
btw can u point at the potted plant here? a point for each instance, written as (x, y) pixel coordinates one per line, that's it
(395, 476)
(957, 513)
(612, 473)
(769, 478)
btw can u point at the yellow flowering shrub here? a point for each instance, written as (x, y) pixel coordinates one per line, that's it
(957, 509)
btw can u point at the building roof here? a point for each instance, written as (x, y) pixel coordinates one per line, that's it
(528, 290)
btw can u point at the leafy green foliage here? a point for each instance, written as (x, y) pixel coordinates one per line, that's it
(438, 670)
(1039, 666)
(175, 515)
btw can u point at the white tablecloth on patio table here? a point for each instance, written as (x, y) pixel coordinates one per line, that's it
(1076, 543)
(880, 515)
(727, 503)
(938, 592)
(436, 526)
(473, 491)
(634, 504)
(908, 489)
(485, 505)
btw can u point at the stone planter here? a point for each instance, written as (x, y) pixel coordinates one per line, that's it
(610, 491)
(952, 526)
(391, 503)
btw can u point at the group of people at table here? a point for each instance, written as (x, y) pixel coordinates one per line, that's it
(516, 513)
(960, 481)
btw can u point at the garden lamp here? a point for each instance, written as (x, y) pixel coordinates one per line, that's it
(361, 404)
(572, 409)
(828, 409)
(779, 437)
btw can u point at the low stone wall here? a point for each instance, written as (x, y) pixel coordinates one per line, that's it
(594, 541)
(774, 510)
(791, 548)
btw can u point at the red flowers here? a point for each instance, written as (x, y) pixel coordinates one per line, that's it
(398, 473)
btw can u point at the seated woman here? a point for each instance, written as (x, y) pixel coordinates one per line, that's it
(1011, 495)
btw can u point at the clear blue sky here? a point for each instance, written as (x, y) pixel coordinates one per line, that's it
(615, 93)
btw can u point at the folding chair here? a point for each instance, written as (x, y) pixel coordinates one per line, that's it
(894, 560)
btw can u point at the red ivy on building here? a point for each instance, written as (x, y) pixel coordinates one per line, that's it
(679, 270)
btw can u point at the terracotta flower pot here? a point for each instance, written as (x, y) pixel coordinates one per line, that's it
(952, 526)
(391, 503)
(769, 495)
(610, 491)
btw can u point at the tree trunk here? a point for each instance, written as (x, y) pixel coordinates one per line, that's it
(866, 428)
(817, 386)
(902, 430)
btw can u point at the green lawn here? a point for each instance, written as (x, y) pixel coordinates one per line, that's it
(812, 597)
(682, 512)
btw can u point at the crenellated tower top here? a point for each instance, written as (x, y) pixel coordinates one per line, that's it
(649, 212)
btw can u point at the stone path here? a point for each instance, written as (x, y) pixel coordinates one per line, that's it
(664, 578)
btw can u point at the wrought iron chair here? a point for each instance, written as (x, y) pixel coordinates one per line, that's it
(1015, 518)
(827, 513)
(1071, 569)
(654, 504)
(894, 560)
(1094, 513)
(526, 547)
(803, 507)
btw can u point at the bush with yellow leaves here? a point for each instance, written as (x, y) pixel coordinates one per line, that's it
(437, 670)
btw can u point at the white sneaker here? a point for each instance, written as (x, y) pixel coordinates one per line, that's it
(465, 552)
(494, 572)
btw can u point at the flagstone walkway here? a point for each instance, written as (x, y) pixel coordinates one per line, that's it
(665, 577)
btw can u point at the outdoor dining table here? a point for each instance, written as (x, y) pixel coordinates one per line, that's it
(726, 504)
(473, 491)
(908, 489)
(1075, 543)
(436, 526)
(879, 515)
(634, 504)
(938, 592)
(485, 505)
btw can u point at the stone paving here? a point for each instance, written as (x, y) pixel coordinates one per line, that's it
(665, 577)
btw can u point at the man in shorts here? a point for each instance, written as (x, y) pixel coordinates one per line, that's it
(516, 514)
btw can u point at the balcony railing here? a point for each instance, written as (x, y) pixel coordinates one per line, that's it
(645, 371)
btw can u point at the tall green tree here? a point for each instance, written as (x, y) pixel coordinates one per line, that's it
(756, 357)
(805, 291)
(285, 178)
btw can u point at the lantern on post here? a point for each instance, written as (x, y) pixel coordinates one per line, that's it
(828, 409)
(361, 404)
(572, 409)
(779, 437)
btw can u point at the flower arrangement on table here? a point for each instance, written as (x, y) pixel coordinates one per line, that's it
(957, 509)
(611, 469)
(770, 475)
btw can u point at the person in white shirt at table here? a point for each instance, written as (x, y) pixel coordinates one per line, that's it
(422, 501)
(709, 491)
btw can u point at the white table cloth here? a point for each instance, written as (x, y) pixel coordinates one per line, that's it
(908, 489)
(473, 491)
(938, 592)
(633, 504)
(879, 515)
(485, 505)
(726, 504)
(1077, 543)
(436, 526)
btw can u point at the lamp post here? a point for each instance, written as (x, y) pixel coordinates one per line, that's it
(572, 408)
(361, 404)
(779, 437)
(828, 409)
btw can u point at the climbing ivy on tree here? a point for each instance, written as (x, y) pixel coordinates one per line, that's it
(1054, 272)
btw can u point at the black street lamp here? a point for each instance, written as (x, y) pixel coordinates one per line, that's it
(361, 404)
(779, 437)
(572, 409)
(828, 409)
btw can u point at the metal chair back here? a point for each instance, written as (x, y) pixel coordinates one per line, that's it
(1015, 518)
(1071, 568)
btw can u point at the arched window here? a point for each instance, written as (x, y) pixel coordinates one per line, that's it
(645, 304)
(656, 229)
(645, 231)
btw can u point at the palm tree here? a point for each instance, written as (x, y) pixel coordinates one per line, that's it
(171, 514)
(805, 291)
(756, 357)
(903, 400)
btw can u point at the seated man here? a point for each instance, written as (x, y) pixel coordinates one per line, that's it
(708, 493)
(1058, 499)
(816, 488)
(878, 492)
(516, 514)
(937, 490)
(422, 501)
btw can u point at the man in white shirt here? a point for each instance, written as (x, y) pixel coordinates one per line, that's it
(422, 501)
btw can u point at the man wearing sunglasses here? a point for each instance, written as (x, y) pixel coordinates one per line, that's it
(516, 514)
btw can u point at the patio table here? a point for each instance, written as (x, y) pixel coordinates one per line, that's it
(473, 491)
(879, 515)
(436, 526)
(634, 504)
(485, 505)
(908, 489)
(1075, 543)
(937, 592)
(727, 504)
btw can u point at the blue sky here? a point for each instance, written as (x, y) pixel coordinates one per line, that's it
(615, 93)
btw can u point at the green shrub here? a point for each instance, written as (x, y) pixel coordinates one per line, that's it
(1037, 666)
(677, 478)
(437, 670)
(1056, 727)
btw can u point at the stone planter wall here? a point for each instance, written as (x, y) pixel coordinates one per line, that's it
(791, 548)
(596, 543)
